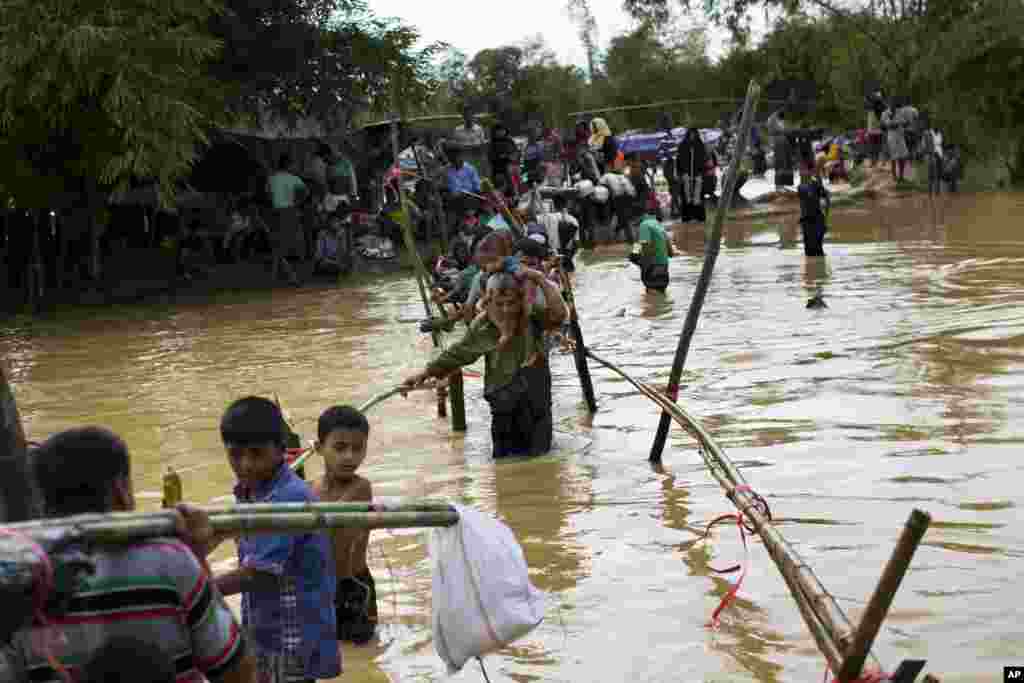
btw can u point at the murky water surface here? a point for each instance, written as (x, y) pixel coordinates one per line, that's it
(899, 395)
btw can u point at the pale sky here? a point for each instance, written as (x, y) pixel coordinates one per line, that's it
(473, 26)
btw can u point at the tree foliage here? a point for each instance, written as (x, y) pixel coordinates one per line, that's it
(92, 94)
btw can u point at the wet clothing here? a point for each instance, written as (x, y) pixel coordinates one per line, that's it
(287, 238)
(520, 398)
(295, 619)
(155, 590)
(355, 606)
(812, 217)
(654, 269)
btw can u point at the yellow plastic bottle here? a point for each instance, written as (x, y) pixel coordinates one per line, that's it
(172, 488)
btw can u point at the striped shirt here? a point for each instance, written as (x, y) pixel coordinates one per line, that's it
(156, 591)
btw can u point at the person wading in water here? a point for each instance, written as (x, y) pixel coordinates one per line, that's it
(517, 379)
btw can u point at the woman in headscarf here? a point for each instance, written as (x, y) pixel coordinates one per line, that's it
(517, 378)
(691, 156)
(603, 143)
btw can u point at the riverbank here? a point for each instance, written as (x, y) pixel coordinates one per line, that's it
(135, 275)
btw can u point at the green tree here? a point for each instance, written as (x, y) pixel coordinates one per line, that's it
(320, 59)
(94, 94)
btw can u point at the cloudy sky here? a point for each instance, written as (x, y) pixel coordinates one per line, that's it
(471, 25)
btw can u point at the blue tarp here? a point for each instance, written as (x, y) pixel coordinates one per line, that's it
(662, 144)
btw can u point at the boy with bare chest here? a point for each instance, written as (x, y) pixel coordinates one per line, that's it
(342, 432)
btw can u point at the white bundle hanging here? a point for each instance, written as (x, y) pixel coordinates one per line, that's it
(601, 194)
(584, 188)
(613, 181)
(482, 595)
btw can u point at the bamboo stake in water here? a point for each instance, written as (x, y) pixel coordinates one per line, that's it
(580, 352)
(457, 392)
(881, 599)
(710, 256)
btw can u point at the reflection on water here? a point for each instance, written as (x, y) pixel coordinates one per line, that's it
(899, 394)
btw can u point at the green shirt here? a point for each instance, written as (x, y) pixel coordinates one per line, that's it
(651, 231)
(283, 189)
(482, 340)
(342, 169)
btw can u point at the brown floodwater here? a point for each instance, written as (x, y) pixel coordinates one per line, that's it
(899, 395)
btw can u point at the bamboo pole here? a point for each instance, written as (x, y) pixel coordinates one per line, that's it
(239, 519)
(580, 352)
(420, 505)
(805, 587)
(881, 599)
(457, 393)
(668, 103)
(710, 256)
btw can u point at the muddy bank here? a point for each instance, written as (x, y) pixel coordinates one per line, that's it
(148, 275)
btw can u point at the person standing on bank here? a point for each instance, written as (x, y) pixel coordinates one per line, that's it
(517, 378)
(691, 157)
(287, 192)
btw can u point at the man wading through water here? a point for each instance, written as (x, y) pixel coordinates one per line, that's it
(517, 379)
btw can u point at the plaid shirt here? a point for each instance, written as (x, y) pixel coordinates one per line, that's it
(292, 626)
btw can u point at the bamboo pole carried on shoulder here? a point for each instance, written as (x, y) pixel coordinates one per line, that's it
(711, 247)
(257, 518)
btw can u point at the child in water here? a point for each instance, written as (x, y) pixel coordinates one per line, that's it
(342, 432)
(287, 581)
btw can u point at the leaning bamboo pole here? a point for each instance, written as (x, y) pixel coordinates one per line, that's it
(711, 248)
(378, 398)
(824, 618)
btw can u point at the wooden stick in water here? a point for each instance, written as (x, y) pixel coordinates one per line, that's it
(711, 248)
(881, 599)
(580, 352)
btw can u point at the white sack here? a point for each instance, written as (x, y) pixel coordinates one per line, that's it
(601, 194)
(482, 595)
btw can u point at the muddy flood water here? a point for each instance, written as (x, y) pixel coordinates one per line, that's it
(899, 395)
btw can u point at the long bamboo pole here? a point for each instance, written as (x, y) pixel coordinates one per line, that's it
(820, 611)
(711, 248)
(234, 520)
(580, 352)
(668, 103)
